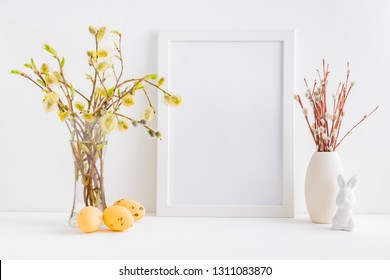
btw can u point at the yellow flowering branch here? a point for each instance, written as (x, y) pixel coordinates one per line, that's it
(135, 122)
(29, 78)
(150, 102)
(158, 87)
(103, 100)
(119, 49)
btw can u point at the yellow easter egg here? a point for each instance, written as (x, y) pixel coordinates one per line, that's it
(118, 218)
(89, 219)
(136, 208)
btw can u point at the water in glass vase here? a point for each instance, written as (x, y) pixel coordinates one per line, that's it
(88, 143)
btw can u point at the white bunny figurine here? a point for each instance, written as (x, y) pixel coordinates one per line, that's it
(343, 220)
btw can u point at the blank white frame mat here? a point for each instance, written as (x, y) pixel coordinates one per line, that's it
(228, 149)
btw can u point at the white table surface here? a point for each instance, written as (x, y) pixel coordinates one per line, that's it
(47, 236)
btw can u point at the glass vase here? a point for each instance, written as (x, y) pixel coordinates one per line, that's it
(88, 142)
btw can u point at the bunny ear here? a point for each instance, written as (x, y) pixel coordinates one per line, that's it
(352, 182)
(341, 181)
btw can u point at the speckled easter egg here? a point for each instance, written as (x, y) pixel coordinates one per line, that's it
(136, 208)
(118, 218)
(89, 219)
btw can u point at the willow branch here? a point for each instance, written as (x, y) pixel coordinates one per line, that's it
(363, 119)
(131, 119)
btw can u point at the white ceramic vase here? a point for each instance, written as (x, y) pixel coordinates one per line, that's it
(321, 186)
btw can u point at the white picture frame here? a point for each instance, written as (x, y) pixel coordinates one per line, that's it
(221, 75)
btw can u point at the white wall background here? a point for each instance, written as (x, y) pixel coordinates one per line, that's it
(35, 160)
